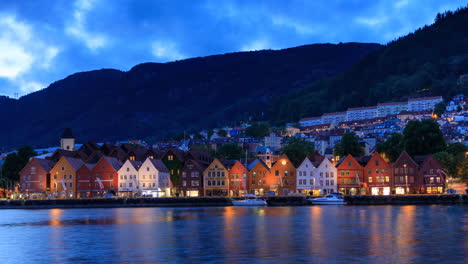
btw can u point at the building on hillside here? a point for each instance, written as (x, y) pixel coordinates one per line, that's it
(63, 177)
(378, 175)
(285, 173)
(334, 118)
(191, 184)
(325, 176)
(238, 180)
(129, 178)
(154, 178)
(431, 175)
(35, 177)
(266, 155)
(361, 113)
(392, 108)
(85, 183)
(259, 179)
(405, 175)
(273, 141)
(105, 174)
(350, 176)
(424, 103)
(321, 143)
(216, 178)
(291, 131)
(310, 121)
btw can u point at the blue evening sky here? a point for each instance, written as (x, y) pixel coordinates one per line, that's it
(42, 41)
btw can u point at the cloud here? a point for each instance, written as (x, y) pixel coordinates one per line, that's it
(166, 51)
(259, 44)
(371, 21)
(300, 28)
(21, 52)
(77, 27)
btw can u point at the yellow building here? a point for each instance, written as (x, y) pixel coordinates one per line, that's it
(63, 178)
(216, 178)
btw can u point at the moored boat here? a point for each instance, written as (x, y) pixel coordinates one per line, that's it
(331, 198)
(249, 200)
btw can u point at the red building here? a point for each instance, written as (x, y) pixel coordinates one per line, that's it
(405, 175)
(85, 181)
(378, 175)
(237, 180)
(285, 172)
(350, 176)
(105, 176)
(431, 177)
(35, 176)
(191, 181)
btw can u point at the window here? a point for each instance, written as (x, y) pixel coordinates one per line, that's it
(195, 183)
(327, 182)
(184, 183)
(332, 182)
(259, 182)
(331, 174)
(326, 174)
(218, 182)
(286, 173)
(144, 184)
(276, 173)
(387, 178)
(312, 182)
(63, 168)
(111, 175)
(184, 174)
(321, 174)
(71, 184)
(321, 182)
(111, 184)
(218, 174)
(222, 174)
(310, 174)
(170, 157)
(147, 168)
(349, 164)
(55, 185)
(128, 169)
(222, 183)
(130, 184)
(209, 183)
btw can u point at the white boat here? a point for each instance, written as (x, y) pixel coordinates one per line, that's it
(331, 198)
(249, 200)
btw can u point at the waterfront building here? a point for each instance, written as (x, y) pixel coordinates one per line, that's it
(424, 103)
(85, 183)
(305, 177)
(378, 175)
(191, 184)
(216, 178)
(35, 177)
(237, 180)
(350, 176)
(154, 178)
(326, 177)
(361, 113)
(259, 179)
(105, 175)
(174, 160)
(392, 108)
(63, 177)
(285, 173)
(128, 178)
(405, 174)
(431, 175)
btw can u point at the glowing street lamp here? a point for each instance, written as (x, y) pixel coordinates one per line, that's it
(406, 179)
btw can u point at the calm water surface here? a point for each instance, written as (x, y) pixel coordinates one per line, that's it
(315, 234)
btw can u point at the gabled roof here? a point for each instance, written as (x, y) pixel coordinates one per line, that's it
(136, 164)
(75, 163)
(199, 166)
(228, 163)
(177, 152)
(45, 164)
(159, 165)
(403, 155)
(255, 162)
(67, 133)
(115, 163)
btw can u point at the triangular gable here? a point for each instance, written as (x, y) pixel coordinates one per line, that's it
(349, 162)
(306, 161)
(376, 156)
(405, 156)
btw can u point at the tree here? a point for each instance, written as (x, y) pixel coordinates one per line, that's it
(230, 151)
(297, 149)
(439, 109)
(209, 134)
(197, 136)
(423, 137)
(349, 145)
(258, 130)
(222, 133)
(392, 147)
(15, 162)
(454, 160)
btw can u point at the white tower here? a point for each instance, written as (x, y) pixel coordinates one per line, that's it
(67, 142)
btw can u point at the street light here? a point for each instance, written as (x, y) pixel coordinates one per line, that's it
(406, 179)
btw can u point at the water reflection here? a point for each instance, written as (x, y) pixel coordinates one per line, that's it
(372, 234)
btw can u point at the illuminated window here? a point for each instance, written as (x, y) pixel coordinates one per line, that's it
(170, 157)
(370, 179)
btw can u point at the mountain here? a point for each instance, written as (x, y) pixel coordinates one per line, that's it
(154, 99)
(424, 63)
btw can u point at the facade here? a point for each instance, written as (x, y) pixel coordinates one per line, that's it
(266, 155)
(273, 141)
(35, 177)
(154, 178)
(334, 118)
(174, 160)
(350, 176)
(238, 180)
(85, 182)
(393, 108)
(361, 113)
(285, 173)
(431, 175)
(129, 178)
(310, 121)
(191, 184)
(325, 177)
(423, 104)
(105, 174)
(63, 177)
(259, 178)
(306, 181)
(405, 174)
(378, 175)
(67, 142)
(216, 179)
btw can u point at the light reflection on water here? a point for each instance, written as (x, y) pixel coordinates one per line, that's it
(334, 234)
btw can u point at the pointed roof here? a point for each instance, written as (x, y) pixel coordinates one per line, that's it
(115, 163)
(75, 163)
(159, 165)
(67, 133)
(255, 162)
(45, 164)
(405, 155)
(199, 165)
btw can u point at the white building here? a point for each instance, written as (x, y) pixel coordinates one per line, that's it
(361, 113)
(273, 141)
(393, 108)
(306, 181)
(334, 118)
(154, 178)
(310, 121)
(326, 177)
(128, 178)
(423, 104)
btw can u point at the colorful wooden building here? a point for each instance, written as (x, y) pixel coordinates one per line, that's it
(259, 179)
(63, 177)
(405, 175)
(350, 176)
(285, 172)
(378, 175)
(85, 183)
(430, 174)
(238, 180)
(105, 175)
(35, 177)
(191, 184)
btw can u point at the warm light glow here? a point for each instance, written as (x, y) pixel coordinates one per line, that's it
(283, 162)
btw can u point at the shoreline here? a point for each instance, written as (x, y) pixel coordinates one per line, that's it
(461, 199)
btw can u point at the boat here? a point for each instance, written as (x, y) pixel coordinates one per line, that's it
(249, 200)
(331, 198)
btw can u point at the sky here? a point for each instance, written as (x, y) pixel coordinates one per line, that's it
(43, 41)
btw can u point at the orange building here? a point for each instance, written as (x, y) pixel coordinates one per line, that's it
(378, 175)
(285, 173)
(237, 179)
(350, 176)
(259, 178)
(63, 177)
(35, 176)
